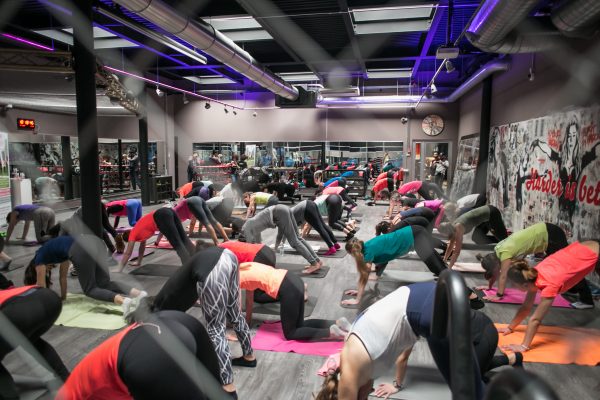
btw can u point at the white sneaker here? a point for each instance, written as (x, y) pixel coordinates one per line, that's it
(344, 324)
(126, 306)
(581, 306)
(72, 270)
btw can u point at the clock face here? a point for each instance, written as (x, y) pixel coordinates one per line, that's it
(432, 125)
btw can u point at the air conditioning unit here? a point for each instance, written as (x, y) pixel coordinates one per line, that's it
(351, 91)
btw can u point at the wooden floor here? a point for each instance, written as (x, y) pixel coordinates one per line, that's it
(283, 376)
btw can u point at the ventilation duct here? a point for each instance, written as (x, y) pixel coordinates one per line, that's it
(60, 104)
(205, 37)
(577, 18)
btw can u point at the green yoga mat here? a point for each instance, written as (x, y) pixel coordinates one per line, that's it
(80, 311)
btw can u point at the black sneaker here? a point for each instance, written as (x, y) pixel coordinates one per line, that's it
(242, 362)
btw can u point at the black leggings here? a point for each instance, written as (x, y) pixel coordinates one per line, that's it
(557, 239)
(33, 313)
(88, 256)
(410, 221)
(423, 244)
(169, 225)
(314, 219)
(346, 198)
(427, 188)
(295, 327)
(164, 359)
(222, 212)
(334, 212)
(266, 256)
(495, 225)
(200, 210)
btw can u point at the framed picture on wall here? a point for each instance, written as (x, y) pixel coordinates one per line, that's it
(467, 158)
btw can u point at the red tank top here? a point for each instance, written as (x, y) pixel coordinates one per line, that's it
(185, 189)
(96, 377)
(144, 229)
(122, 203)
(333, 190)
(380, 185)
(245, 252)
(8, 294)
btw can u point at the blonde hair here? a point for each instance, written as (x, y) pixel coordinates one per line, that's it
(447, 229)
(329, 389)
(521, 273)
(355, 247)
(450, 209)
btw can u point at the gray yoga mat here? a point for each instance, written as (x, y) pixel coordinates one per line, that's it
(155, 270)
(273, 308)
(297, 269)
(347, 297)
(482, 247)
(341, 253)
(420, 383)
(406, 276)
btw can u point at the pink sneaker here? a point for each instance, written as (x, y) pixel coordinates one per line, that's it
(330, 252)
(337, 246)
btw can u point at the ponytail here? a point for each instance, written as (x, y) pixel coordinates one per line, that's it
(30, 276)
(355, 247)
(521, 273)
(329, 390)
(382, 228)
(490, 263)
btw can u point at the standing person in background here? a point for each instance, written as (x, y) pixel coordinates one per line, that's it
(441, 167)
(133, 160)
(190, 169)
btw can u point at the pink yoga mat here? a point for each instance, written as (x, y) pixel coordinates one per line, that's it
(134, 255)
(514, 296)
(269, 337)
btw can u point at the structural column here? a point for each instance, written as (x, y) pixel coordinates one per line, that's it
(87, 129)
(176, 163)
(120, 162)
(143, 149)
(67, 163)
(480, 183)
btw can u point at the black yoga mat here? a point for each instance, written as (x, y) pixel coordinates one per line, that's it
(273, 308)
(341, 253)
(297, 269)
(155, 270)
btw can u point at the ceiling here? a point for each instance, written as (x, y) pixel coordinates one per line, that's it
(334, 43)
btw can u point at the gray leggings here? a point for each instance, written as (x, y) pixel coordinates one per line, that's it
(200, 210)
(220, 296)
(43, 220)
(88, 255)
(286, 227)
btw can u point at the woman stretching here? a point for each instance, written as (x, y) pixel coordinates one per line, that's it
(165, 221)
(86, 252)
(539, 238)
(42, 217)
(381, 190)
(423, 188)
(195, 208)
(221, 208)
(289, 290)
(32, 311)
(281, 217)
(251, 252)
(258, 199)
(385, 248)
(212, 277)
(130, 208)
(165, 355)
(563, 270)
(481, 221)
(383, 336)
(340, 191)
(331, 205)
(307, 211)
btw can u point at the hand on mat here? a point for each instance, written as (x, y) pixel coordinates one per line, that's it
(349, 302)
(517, 348)
(492, 298)
(385, 390)
(351, 292)
(505, 331)
(482, 287)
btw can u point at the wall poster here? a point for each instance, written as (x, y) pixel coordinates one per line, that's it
(467, 158)
(548, 169)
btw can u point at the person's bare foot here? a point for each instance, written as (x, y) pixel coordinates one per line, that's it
(231, 336)
(373, 276)
(305, 292)
(311, 269)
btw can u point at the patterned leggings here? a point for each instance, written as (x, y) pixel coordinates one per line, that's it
(220, 296)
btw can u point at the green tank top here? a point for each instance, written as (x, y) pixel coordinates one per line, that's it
(474, 218)
(261, 198)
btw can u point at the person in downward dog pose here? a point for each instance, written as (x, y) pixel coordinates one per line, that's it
(258, 199)
(130, 208)
(423, 188)
(308, 212)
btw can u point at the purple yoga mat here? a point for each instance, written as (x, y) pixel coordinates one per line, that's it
(514, 296)
(134, 255)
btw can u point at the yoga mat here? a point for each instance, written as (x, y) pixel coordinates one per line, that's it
(341, 253)
(134, 255)
(515, 296)
(420, 382)
(558, 344)
(339, 235)
(155, 270)
(269, 337)
(163, 244)
(406, 276)
(273, 308)
(122, 229)
(347, 297)
(32, 394)
(30, 243)
(297, 269)
(287, 249)
(475, 246)
(80, 311)
(410, 254)
(468, 267)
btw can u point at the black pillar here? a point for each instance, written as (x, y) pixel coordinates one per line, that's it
(120, 162)
(67, 163)
(143, 149)
(87, 129)
(323, 155)
(480, 183)
(176, 159)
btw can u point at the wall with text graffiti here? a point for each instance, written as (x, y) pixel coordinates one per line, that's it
(548, 169)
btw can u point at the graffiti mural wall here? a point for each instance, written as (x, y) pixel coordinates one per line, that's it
(467, 158)
(548, 169)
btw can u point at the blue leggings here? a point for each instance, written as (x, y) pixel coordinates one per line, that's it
(134, 211)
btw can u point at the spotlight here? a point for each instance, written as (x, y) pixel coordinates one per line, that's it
(449, 67)
(234, 112)
(226, 110)
(404, 120)
(531, 75)
(185, 99)
(254, 114)
(207, 105)
(433, 88)
(159, 92)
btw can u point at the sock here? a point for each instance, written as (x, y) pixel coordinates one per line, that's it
(336, 332)
(344, 324)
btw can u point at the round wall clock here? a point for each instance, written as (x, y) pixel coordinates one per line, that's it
(433, 125)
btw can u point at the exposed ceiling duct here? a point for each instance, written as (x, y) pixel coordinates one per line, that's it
(206, 38)
(60, 104)
(411, 101)
(502, 26)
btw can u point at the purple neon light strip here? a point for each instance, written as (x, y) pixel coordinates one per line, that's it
(187, 92)
(29, 42)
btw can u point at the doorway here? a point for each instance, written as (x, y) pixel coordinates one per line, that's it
(425, 154)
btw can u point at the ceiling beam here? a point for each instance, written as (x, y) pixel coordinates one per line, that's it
(435, 22)
(351, 37)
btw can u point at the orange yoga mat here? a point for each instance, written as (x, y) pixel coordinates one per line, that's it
(558, 344)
